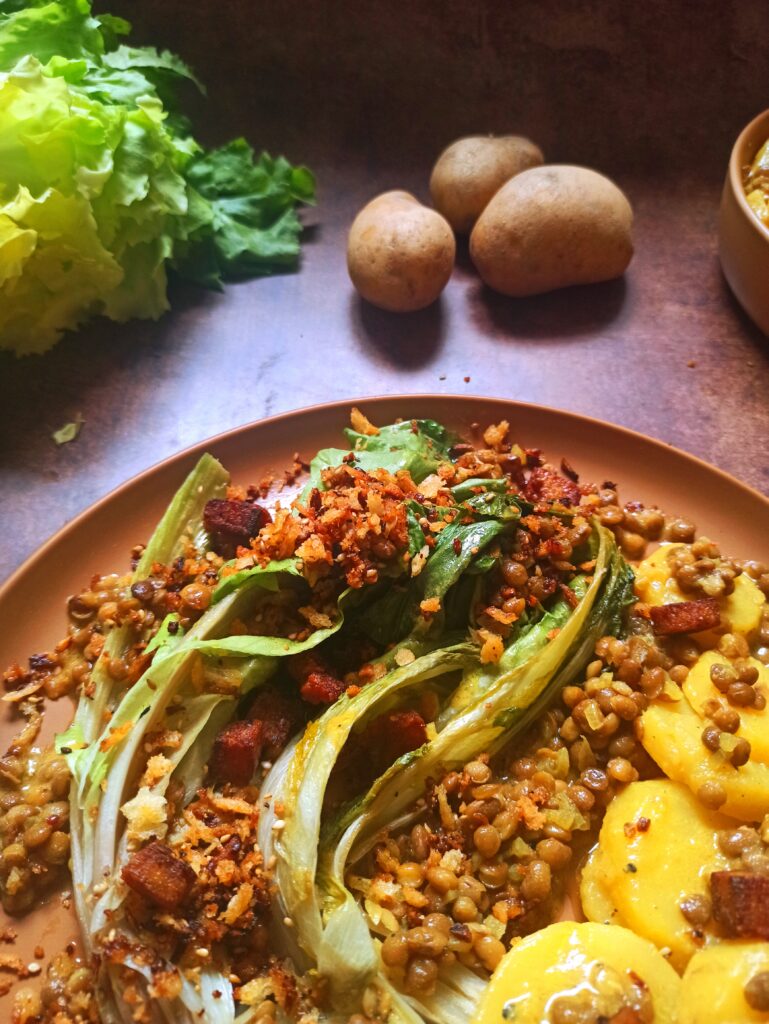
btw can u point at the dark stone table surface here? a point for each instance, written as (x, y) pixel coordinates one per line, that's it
(367, 93)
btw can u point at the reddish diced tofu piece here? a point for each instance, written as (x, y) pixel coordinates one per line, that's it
(546, 485)
(685, 616)
(390, 736)
(159, 876)
(237, 748)
(233, 523)
(741, 904)
(321, 688)
(301, 665)
(279, 717)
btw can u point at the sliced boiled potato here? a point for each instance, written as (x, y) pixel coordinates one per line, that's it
(672, 735)
(595, 968)
(743, 607)
(654, 583)
(754, 724)
(713, 988)
(597, 902)
(740, 611)
(658, 845)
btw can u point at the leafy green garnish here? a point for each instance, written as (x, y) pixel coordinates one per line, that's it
(68, 432)
(417, 446)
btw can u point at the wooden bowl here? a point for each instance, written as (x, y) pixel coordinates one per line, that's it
(743, 239)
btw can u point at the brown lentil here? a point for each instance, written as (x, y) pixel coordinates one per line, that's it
(395, 950)
(421, 976)
(464, 909)
(478, 772)
(441, 879)
(740, 754)
(594, 779)
(711, 737)
(426, 942)
(537, 881)
(554, 853)
(712, 794)
(621, 770)
(679, 529)
(489, 951)
(487, 841)
(741, 694)
(493, 875)
(757, 992)
(733, 844)
(726, 719)
(678, 674)
(696, 909)
(469, 886)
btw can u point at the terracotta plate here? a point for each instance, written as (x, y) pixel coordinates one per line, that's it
(32, 602)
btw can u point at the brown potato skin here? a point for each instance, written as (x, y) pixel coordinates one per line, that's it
(551, 227)
(400, 254)
(471, 170)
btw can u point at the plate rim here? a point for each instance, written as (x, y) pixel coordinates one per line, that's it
(342, 404)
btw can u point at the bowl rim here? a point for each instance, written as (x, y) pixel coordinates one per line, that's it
(736, 163)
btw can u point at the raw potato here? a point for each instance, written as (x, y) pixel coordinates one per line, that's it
(400, 254)
(468, 173)
(550, 227)
(713, 987)
(644, 874)
(600, 962)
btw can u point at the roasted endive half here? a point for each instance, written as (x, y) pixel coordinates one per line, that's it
(484, 707)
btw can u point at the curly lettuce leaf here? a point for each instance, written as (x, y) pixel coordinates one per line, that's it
(417, 446)
(255, 228)
(458, 548)
(97, 122)
(64, 28)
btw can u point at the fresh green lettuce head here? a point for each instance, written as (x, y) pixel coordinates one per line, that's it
(102, 187)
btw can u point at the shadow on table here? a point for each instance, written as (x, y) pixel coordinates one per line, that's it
(566, 313)
(114, 361)
(748, 327)
(408, 340)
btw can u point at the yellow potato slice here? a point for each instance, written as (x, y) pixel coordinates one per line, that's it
(588, 964)
(672, 735)
(647, 873)
(713, 988)
(754, 725)
(596, 900)
(740, 611)
(654, 583)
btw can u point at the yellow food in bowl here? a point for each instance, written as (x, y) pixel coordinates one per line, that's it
(757, 184)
